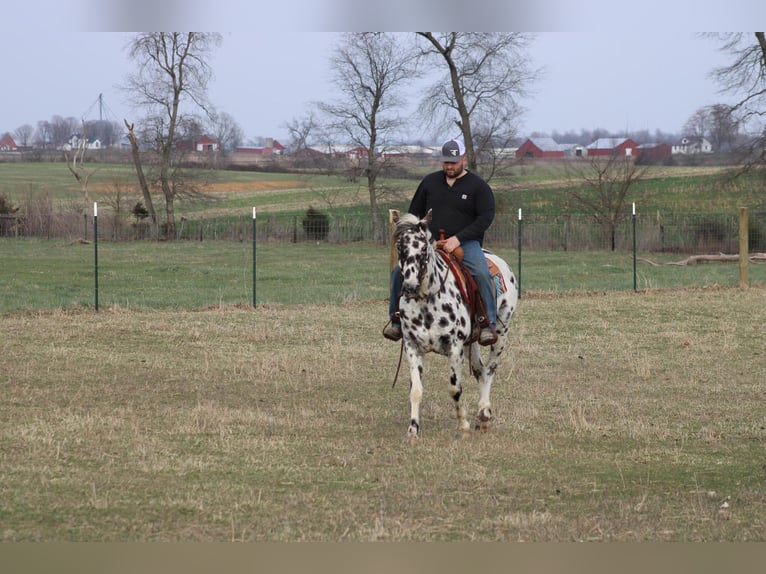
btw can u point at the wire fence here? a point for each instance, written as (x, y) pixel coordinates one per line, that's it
(658, 232)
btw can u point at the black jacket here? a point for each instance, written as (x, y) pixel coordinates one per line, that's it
(466, 209)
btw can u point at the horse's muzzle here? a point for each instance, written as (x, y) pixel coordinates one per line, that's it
(410, 292)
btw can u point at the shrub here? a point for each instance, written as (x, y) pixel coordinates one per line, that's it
(316, 225)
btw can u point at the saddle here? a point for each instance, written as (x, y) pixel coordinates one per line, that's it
(469, 288)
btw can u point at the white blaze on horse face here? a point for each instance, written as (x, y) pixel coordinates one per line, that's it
(413, 258)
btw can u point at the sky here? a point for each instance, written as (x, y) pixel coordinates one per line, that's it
(623, 72)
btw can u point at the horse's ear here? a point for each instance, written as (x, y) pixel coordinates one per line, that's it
(428, 216)
(393, 215)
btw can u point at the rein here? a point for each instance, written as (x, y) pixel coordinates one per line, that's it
(399, 366)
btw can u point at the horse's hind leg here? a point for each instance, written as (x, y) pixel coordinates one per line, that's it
(456, 390)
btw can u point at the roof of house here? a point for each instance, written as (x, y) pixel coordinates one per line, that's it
(686, 140)
(606, 143)
(548, 144)
(7, 140)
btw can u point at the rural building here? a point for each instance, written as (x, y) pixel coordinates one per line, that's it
(692, 145)
(7, 143)
(206, 143)
(612, 146)
(402, 151)
(271, 147)
(77, 141)
(341, 150)
(540, 148)
(654, 152)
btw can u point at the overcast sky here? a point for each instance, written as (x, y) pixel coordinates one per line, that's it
(619, 75)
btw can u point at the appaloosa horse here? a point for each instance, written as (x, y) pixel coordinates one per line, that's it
(435, 317)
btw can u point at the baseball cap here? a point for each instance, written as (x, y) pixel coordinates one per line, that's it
(452, 150)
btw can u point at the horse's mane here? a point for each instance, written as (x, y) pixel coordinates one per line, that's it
(408, 221)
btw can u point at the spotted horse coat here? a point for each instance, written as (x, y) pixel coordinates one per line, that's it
(435, 318)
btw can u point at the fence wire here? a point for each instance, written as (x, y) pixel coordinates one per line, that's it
(658, 232)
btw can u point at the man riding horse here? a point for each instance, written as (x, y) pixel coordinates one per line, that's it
(463, 207)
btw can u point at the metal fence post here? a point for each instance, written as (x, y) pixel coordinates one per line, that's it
(518, 278)
(744, 247)
(254, 242)
(635, 277)
(95, 248)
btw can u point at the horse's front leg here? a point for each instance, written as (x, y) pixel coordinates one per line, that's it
(484, 375)
(456, 389)
(415, 360)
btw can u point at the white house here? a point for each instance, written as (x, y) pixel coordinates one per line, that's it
(692, 145)
(76, 142)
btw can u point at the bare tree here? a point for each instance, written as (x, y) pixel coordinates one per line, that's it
(370, 69)
(486, 73)
(226, 131)
(142, 181)
(601, 186)
(107, 132)
(43, 134)
(62, 130)
(173, 72)
(301, 131)
(724, 127)
(745, 78)
(716, 123)
(697, 124)
(75, 161)
(24, 135)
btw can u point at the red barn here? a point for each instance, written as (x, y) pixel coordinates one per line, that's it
(7, 143)
(612, 146)
(654, 153)
(539, 147)
(206, 143)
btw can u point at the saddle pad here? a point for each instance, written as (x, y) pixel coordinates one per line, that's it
(460, 272)
(497, 277)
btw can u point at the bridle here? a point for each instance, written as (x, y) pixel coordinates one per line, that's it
(423, 259)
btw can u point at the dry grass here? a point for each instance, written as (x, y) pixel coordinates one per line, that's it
(620, 417)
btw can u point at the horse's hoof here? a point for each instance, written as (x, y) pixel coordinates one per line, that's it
(483, 419)
(411, 439)
(413, 433)
(463, 434)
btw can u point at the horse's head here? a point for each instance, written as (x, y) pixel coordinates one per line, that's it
(413, 244)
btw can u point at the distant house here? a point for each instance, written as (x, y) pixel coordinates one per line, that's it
(341, 150)
(546, 148)
(401, 151)
(206, 143)
(692, 145)
(77, 142)
(7, 143)
(653, 153)
(272, 147)
(540, 148)
(612, 146)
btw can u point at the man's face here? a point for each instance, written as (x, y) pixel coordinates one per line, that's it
(454, 169)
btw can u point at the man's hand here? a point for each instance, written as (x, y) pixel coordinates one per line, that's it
(449, 245)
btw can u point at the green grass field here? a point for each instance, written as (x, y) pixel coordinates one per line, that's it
(536, 187)
(48, 274)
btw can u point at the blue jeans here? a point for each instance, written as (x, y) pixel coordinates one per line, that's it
(475, 262)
